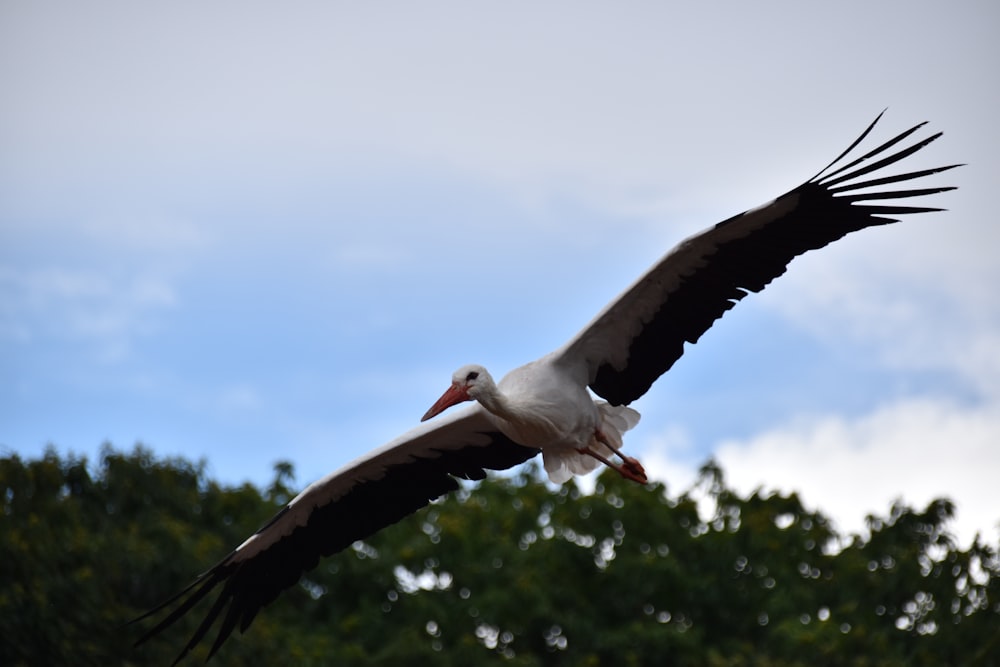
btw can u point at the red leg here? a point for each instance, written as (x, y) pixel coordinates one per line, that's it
(628, 463)
(631, 469)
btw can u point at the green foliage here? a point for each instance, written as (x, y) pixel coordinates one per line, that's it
(511, 572)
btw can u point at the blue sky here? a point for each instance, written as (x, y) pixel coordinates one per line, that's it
(248, 233)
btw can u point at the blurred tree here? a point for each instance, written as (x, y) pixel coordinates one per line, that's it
(513, 571)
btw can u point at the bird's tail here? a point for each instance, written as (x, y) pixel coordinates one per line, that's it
(615, 420)
(562, 464)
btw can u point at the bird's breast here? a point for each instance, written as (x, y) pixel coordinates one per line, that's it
(546, 409)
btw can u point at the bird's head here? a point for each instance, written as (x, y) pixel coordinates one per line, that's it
(466, 385)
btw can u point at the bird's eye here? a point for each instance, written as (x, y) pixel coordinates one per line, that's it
(471, 376)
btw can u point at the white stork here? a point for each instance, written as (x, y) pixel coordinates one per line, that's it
(545, 406)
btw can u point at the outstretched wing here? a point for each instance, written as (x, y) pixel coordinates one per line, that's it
(640, 335)
(350, 504)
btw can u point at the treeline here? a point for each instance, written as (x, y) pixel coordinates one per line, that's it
(511, 571)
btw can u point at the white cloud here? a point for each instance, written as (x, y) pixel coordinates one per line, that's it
(239, 398)
(85, 305)
(149, 233)
(525, 94)
(914, 449)
(918, 296)
(671, 457)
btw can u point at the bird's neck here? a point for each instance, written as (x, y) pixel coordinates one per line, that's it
(496, 402)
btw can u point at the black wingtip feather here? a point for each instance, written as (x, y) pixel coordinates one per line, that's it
(895, 194)
(828, 180)
(897, 178)
(201, 587)
(369, 506)
(853, 145)
(813, 215)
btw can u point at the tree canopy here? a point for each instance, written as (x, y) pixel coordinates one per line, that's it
(512, 571)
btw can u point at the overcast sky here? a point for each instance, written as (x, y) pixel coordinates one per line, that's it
(248, 232)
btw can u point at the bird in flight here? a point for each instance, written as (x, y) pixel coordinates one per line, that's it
(548, 406)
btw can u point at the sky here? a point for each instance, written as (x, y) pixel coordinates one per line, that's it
(250, 232)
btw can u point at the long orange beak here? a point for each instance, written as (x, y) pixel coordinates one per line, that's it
(454, 394)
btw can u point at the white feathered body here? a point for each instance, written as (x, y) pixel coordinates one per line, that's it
(538, 405)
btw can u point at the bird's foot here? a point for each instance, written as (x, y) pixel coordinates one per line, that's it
(630, 468)
(633, 470)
